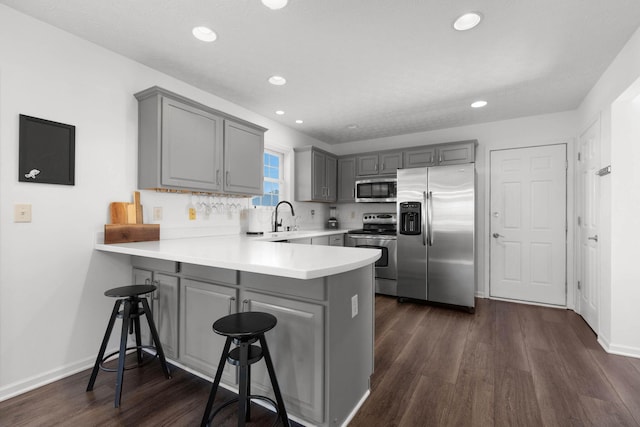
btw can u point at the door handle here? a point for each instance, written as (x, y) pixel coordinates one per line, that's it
(594, 238)
(424, 218)
(430, 218)
(496, 235)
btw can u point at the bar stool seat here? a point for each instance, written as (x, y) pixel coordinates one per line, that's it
(133, 307)
(243, 330)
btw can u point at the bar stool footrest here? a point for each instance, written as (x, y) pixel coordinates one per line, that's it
(147, 360)
(250, 397)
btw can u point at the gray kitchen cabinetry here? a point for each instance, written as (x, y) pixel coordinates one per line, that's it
(336, 240)
(316, 175)
(383, 163)
(187, 146)
(201, 304)
(165, 312)
(243, 156)
(296, 345)
(346, 179)
(444, 154)
(164, 301)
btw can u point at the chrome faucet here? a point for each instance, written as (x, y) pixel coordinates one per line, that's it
(275, 222)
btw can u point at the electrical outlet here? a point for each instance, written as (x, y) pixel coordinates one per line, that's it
(192, 214)
(157, 213)
(313, 212)
(22, 213)
(354, 306)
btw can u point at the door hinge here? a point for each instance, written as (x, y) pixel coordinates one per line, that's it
(579, 221)
(579, 286)
(579, 156)
(566, 165)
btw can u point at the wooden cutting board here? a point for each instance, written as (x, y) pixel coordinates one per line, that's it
(126, 233)
(119, 212)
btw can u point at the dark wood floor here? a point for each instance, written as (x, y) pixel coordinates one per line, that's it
(506, 365)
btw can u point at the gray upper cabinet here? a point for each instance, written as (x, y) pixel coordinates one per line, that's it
(419, 157)
(444, 154)
(346, 179)
(367, 165)
(184, 145)
(384, 163)
(243, 155)
(316, 175)
(456, 153)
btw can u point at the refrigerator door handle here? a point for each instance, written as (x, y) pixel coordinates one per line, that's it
(430, 218)
(424, 215)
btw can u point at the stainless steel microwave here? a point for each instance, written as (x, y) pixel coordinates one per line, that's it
(376, 190)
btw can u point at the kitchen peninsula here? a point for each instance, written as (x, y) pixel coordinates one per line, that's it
(323, 298)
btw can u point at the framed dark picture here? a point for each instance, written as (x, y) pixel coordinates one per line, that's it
(47, 151)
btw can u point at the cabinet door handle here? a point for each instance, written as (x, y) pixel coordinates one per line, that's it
(376, 168)
(228, 180)
(382, 166)
(218, 177)
(245, 305)
(440, 159)
(354, 193)
(155, 293)
(231, 301)
(431, 158)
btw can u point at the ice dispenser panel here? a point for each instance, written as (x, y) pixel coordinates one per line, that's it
(410, 218)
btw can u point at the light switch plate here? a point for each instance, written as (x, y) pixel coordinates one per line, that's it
(22, 213)
(157, 213)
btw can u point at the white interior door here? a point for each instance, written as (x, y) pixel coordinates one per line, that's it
(588, 196)
(528, 224)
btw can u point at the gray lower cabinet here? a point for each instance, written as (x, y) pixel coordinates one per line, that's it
(346, 179)
(316, 175)
(201, 304)
(144, 277)
(181, 144)
(165, 312)
(336, 240)
(296, 345)
(164, 305)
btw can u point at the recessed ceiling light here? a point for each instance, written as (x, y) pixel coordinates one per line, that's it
(352, 126)
(275, 4)
(479, 104)
(280, 112)
(467, 21)
(299, 121)
(277, 80)
(205, 34)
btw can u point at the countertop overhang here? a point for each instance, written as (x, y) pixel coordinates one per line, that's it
(260, 254)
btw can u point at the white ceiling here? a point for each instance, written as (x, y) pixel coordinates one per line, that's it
(390, 66)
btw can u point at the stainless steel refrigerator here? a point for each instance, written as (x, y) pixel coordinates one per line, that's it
(436, 234)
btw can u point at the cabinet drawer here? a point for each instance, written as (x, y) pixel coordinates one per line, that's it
(312, 289)
(155, 264)
(336, 240)
(212, 274)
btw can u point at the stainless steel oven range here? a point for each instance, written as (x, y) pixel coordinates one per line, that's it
(379, 232)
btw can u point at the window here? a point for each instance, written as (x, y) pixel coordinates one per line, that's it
(273, 179)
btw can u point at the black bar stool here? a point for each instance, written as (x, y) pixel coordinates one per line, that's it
(134, 307)
(244, 329)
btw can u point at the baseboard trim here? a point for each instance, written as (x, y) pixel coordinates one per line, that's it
(356, 409)
(620, 350)
(20, 387)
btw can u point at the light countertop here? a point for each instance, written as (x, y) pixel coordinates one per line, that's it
(259, 254)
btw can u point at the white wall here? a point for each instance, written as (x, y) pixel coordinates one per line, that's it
(52, 309)
(524, 132)
(612, 100)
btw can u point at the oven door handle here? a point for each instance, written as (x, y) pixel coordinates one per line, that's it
(371, 237)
